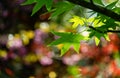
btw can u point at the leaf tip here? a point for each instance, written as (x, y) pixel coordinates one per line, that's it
(97, 41)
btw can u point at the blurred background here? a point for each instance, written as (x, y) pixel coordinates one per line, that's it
(24, 52)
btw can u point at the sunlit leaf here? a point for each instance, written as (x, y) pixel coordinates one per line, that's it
(95, 22)
(76, 47)
(106, 37)
(97, 41)
(77, 21)
(65, 48)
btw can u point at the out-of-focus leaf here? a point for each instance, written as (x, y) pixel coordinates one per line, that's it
(65, 48)
(62, 7)
(117, 10)
(97, 41)
(97, 35)
(98, 2)
(110, 23)
(73, 70)
(76, 47)
(95, 22)
(67, 39)
(111, 5)
(77, 21)
(27, 2)
(48, 4)
(37, 6)
(106, 37)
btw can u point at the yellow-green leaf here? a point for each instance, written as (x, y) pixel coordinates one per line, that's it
(106, 37)
(97, 41)
(77, 21)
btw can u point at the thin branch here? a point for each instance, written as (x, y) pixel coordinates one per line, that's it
(113, 31)
(95, 29)
(97, 8)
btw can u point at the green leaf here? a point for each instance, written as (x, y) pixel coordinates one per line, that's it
(48, 4)
(37, 6)
(65, 48)
(62, 7)
(117, 10)
(98, 2)
(111, 5)
(95, 21)
(73, 70)
(68, 39)
(106, 37)
(97, 41)
(77, 21)
(76, 47)
(27, 2)
(99, 35)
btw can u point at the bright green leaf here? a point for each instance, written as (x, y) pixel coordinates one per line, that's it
(106, 37)
(77, 21)
(68, 40)
(97, 41)
(65, 48)
(73, 70)
(76, 47)
(95, 22)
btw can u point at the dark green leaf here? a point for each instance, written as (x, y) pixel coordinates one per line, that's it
(99, 2)
(62, 7)
(48, 4)
(27, 2)
(110, 6)
(117, 10)
(37, 6)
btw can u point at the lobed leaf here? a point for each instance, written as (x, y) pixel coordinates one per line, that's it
(77, 21)
(48, 4)
(61, 7)
(37, 6)
(68, 39)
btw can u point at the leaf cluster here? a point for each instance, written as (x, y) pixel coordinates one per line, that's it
(98, 24)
